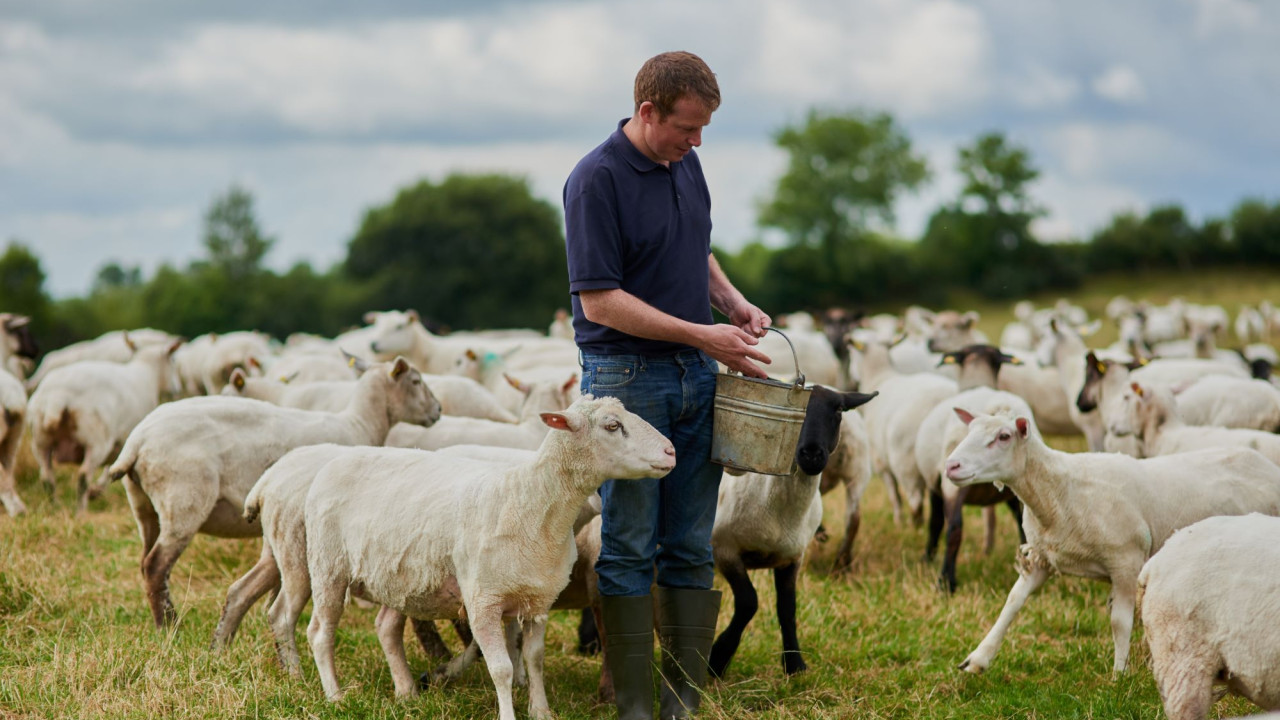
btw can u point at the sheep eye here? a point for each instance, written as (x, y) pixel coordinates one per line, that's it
(1003, 436)
(614, 426)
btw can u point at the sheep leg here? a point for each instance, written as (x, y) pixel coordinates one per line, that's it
(9, 493)
(330, 598)
(895, 499)
(514, 651)
(784, 583)
(745, 604)
(453, 668)
(937, 519)
(989, 516)
(94, 458)
(430, 640)
(588, 636)
(852, 520)
(1184, 675)
(261, 579)
(535, 631)
(156, 566)
(144, 514)
(295, 591)
(486, 625)
(1123, 600)
(390, 628)
(43, 452)
(604, 691)
(1030, 577)
(955, 536)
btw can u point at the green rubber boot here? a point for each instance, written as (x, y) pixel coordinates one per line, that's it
(628, 650)
(687, 621)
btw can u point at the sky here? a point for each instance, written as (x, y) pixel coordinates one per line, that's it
(120, 122)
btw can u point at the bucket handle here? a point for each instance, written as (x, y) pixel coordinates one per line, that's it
(794, 357)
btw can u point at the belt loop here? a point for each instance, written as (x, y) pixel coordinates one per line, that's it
(643, 362)
(582, 362)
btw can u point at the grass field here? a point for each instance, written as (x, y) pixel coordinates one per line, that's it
(78, 641)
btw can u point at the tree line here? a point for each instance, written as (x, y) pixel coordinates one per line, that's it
(475, 251)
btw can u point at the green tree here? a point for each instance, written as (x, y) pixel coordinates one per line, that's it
(845, 172)
(983, 239)
(22, 284)
(472, 251)
(1255, 230)
(234, 242)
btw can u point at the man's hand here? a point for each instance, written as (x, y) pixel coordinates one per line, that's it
(750, 318)
(734, 347)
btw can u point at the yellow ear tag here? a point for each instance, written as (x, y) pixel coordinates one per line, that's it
(1138, 389)
(949, 359)
(1102, 368)
(351, 362)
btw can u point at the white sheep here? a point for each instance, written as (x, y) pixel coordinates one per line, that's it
(110, 347)
(1100, 515)
(488, 539)
(527, 434)
(458, 396)
(1231, 402)
(189, 464)
(767, 521)
(1150, 414)
(13, 411)
(83, 412)
(849, 466)
(817, 359)
(1209, 609)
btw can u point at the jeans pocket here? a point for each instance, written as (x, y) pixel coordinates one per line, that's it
(612, 375)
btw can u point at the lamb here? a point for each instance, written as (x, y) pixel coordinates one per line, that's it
(1100, 515)
(850, 466)
(458, 396)
(190, 463)
(527, 434)
(1151, 416)
(488, 539)
(939, 433)
(83, 412)
(766, 522)
(1209, 614)
(13, 410)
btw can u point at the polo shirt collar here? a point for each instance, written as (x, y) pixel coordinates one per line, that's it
(630, 152)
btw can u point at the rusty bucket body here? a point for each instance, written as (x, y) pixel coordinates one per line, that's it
(757, 422)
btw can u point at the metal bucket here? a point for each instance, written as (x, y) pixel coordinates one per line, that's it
(757, 422)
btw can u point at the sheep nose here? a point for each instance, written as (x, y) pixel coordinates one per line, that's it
(670, 450)
(953, 468)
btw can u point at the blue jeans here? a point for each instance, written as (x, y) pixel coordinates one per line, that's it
(662, 522)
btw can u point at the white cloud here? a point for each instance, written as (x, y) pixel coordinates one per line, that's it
(1120, 84)
(1079, 208)
(1041, 88)
(911, 58)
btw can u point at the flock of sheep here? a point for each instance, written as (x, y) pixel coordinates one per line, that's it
(454, 477)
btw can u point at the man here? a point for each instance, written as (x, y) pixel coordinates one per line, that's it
(643, 281)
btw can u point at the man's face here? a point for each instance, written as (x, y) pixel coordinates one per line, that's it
(669, 139)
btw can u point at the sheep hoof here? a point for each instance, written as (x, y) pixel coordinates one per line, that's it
(793, 663)
(970, 666)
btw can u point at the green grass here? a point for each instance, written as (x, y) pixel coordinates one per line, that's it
(77, 641)
(883, 643)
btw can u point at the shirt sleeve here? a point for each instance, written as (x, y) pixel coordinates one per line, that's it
(593, 242)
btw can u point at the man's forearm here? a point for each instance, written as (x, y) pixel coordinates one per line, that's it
(724, 296)
(627, 313)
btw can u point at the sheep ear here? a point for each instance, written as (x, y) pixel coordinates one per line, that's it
(355, 363)
(857, 345)
(253, 362)
(558, 421)
(1009, 359)
(999, 486)
(1137, 389)
(471, 355)
(237, 378)
(400, 367)
(173, 347)
(965, 416)
(1023, 425)
(968, 319)
(369, 317)
(948, 359)
(133, 348)
(517, 384)
(16, 321)
(568, 384)
(1089, 328)
(851, 400)
(286, 379)
(413, 316)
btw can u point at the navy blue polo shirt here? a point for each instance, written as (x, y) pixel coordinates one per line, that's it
(634, 224)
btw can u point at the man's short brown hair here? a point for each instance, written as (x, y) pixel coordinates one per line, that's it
(665, 78)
